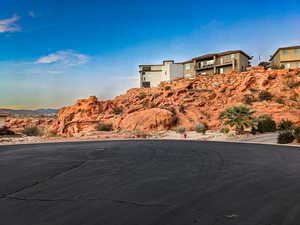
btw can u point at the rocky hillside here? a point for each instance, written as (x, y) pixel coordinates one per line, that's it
(185, 102)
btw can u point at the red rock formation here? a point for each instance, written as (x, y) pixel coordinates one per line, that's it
(185, 102)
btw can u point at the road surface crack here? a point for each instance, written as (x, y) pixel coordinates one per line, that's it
(6, 195)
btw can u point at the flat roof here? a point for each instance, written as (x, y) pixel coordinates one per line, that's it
(284, 48)
(221, 53)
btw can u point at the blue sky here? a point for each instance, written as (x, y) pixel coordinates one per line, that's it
(53, 52)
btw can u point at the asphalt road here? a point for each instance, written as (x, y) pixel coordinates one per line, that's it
(149, 183)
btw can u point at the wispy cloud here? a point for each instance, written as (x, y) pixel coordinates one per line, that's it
(65, 57)
(9, 25)
(32, 14)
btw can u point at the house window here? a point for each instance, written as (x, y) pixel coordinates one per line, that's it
(298, 64)
(221, 70)
(232, 56)
(221, 61)
(287, 66)
(285, 52)
(297, 51)
(187, 66)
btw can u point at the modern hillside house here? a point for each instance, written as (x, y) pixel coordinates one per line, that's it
(3, 116)
(288, 57)
(209, 64)
(152, 75)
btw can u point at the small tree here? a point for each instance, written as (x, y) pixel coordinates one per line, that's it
(264, 64)
(239, 117)
(201, 128)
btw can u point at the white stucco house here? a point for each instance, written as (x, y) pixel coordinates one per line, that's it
(152, 75)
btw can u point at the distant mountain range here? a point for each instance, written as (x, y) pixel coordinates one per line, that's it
(30, 112)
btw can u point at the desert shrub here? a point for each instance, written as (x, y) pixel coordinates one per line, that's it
(167, 88)
(265, 123)
(117, 110)
(201, 128)
(293, 84)
(140, 134)
(225, 130)
(104, 127)
(285, 137)
(142, 95)
(297, 134)
(248, 99)
(181, 109)
(156, 95)
(32, 131)
(239, 117)
(50, 133)
(180, 130)
(253, 90)
(265, 96)
(6, 131)
(294, 97)
(279, 100)
(285, 125)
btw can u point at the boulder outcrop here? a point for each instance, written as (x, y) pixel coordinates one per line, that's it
(185, 102)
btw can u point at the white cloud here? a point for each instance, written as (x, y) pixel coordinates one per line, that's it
(9, 25)
(65, 57)
(32, 14)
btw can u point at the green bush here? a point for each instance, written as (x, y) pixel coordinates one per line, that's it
(285, 137)
(285, 125)
(265, 123)
(265, 96)
(32, 131)
(201, 128)
(297, 134)
(180, 130)
(225, 130)
(104, 127)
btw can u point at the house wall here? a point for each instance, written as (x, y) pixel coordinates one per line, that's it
(189, 69)
(276, 60)
(294, 64)
(242, 62)
(153, 77)
(176, 71)
(292, 56)
(207, 71)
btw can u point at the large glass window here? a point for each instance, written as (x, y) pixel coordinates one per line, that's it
(285, 52)
(287, 65)
(297, 51)
(221, 70)
(232, 56)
